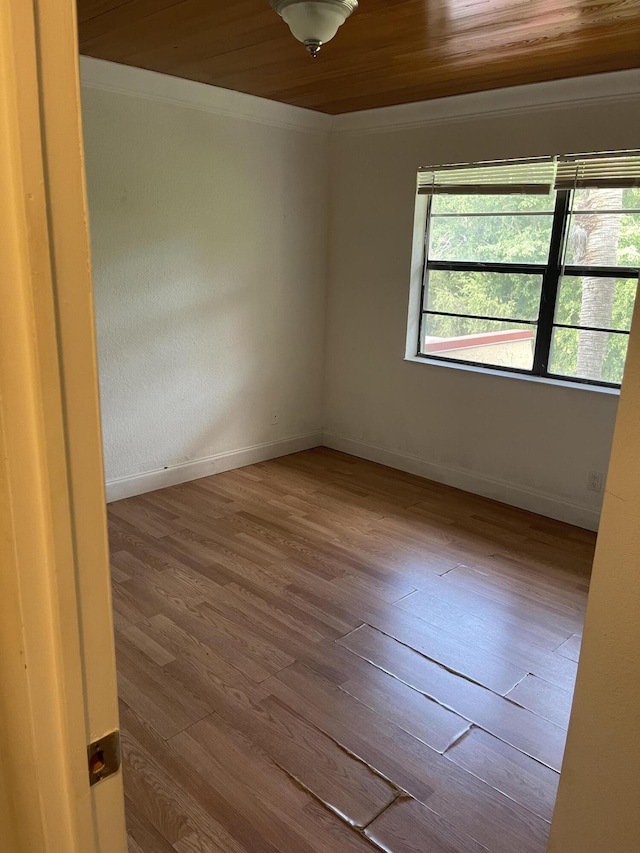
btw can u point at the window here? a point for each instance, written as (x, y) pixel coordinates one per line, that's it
(532, 266)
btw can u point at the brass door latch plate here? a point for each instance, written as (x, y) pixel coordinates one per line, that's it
(103, 757)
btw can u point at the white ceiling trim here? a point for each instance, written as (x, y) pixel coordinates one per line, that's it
(125, 80)
(557, 94)
(594, 89)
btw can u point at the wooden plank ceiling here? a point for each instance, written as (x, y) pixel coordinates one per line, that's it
(388, 52)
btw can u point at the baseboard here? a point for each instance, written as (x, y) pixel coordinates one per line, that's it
(150, 481)
(539, 502)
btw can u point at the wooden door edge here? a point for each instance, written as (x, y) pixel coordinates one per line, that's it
(44, 696)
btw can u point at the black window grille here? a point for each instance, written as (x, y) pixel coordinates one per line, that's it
(531, 267)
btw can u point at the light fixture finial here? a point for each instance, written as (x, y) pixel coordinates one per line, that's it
(313, 47)
(314, 22)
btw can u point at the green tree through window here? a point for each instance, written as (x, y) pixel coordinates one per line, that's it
(488, 272)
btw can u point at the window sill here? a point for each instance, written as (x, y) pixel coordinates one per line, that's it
(541, 380)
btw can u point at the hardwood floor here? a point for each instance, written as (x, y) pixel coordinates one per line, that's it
(321, 654)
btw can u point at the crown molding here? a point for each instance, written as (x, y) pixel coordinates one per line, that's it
(126, 80)
(595, 89)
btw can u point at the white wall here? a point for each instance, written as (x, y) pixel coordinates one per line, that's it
(208, 219)
(216, 246)
(519, 441)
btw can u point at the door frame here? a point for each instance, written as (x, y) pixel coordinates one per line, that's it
(57, 668)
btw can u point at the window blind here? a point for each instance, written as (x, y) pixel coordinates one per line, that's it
(614, 169)
(502, 177)
(537, 176)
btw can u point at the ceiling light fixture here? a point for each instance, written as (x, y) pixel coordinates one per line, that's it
(314, 22)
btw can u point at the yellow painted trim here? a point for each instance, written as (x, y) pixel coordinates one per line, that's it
(64, 164)
(597, 807)
(57, 676)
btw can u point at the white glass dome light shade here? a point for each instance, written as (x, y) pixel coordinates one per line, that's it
(314, 22)
(309, 21)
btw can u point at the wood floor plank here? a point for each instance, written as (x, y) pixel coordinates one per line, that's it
(494, 671)
(166, 575)
(341, 782)
(278, 628)
(195, 497)
(569, 586)
(154, 692)
(152, 552)
(270, 822)
(211, 540)
(156, 808)
(330, 617)
(571, 648)
(421, 533)
(125, 611)
(148, 646)
(458, 611)
(394, 489)
(498, 674)
(339, 503)
(245, 649)
(412, 711)
(177, 586)
(344, 784)
(505, 590)
(149, 587)
(146, 516)
(205, 544)
(313, 622)
(474, 807)
(357, 728)
(245, 485)
(195, 843)
(410, 827)
(200, 651)
(350, 602)
(303, 640)
(227, 760)
(329, 834)
(295, 478)
(255, 644)
(389, 590)
(146, 699)
(472, 533)
(549, 556)
(506, 769)
(157, 598)
(498, 639)
(306, 519)
(544, 699)
(154, 775)
(134, 847)
(118, 575)
(533, 735)
(287, 536)
(391, 554)
(144, 837)
(279, 609)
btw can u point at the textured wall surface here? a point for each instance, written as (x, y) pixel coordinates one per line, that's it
(219, 241)
(508, 438)
(209, 251)
(597, 808)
